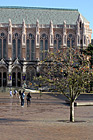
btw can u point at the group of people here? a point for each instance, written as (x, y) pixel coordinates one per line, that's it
(22, 97)
(13, 93)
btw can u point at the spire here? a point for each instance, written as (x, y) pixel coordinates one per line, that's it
(64, 22)
(37, 22)
(64, 27)
(80, 18)
(23, 29)
(10, 26)
(10, 22)
(51, 27)
(37, 26)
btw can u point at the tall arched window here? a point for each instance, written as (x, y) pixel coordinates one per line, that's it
(43, 46)
(4, 48)
(71, 41)
(57, 42)
(30, 47)
(4, 79)
(27, 50)
(19, 49)
(3, 42)
(16, 50)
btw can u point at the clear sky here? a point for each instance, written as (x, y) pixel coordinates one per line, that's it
(85, 7)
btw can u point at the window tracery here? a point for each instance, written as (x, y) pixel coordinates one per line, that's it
(3, 42)
(16, 50)
(43, 46)
(71, 41)
(57, 42)
(30, 47)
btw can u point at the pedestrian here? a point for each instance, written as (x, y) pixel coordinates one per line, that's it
(28, 98)
(19, 94)
(22, 98)
(15, 92)
(11, 93)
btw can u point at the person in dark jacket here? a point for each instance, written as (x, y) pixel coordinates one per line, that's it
(19, 94)
(28, 98)
(22, 98)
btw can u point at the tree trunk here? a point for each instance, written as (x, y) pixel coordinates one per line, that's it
(71, 111)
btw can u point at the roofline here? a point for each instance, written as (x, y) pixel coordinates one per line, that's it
(35, 8)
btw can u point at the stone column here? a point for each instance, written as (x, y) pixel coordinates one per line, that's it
(23, 40)
(23, 73)
(64, 34)
(77, 34)
(37, 49)
(10, 39)
(51, 35)
(9, 78)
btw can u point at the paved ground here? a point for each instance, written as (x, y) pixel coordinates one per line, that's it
(46, 119)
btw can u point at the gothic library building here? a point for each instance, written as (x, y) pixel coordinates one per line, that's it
(27, 34)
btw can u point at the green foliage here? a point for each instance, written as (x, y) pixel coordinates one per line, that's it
(68, 75)
(89, 52)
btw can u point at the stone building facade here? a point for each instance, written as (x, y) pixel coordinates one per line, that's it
(27, 34)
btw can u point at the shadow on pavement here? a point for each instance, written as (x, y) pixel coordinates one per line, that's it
(3, 120)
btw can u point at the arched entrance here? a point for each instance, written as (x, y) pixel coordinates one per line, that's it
(3, 76)
(4, 79)
(13, 79)
(16, 77)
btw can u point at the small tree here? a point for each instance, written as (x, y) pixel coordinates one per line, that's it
(89, 52)
(68, 73)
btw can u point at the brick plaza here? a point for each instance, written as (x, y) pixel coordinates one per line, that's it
(45, 119)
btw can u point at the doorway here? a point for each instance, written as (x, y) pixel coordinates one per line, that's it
(4, 79)
(13, 79)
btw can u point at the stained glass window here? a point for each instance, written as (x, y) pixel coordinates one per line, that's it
(41, 49)
(4, 48)
(14, 49)
(32, 49)
(55, 45)
(68, 42)
(19, 48)
(43, 46)
(71, 40)
(57, 42)
(46, 48)
(16, 52)
(2, 34)
(28, 50)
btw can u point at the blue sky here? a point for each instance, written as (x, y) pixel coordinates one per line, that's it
(85, 7)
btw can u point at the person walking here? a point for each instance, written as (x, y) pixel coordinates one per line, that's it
(11, 93)
(15, 92)
(22, 98)
(19, 94)
(28, 98)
